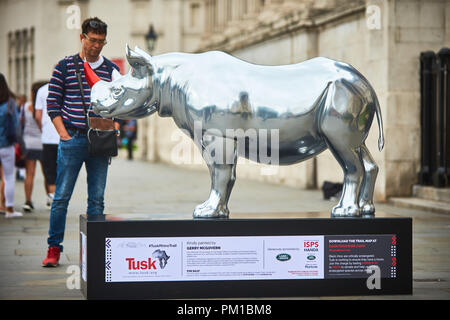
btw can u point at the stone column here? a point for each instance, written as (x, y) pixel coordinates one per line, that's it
(235, 10)
(208, 29)
(221, 7)
(210, 16)
(252, 7)
(139, 27)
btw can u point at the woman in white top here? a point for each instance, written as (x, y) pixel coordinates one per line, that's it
(50, 141)
(33, 144)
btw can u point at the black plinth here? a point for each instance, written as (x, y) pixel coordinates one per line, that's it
(140, 257)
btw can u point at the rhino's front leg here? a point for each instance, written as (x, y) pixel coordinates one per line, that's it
(221, 157)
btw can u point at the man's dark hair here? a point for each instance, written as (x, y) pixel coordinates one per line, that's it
(94, 25)
(34, 89)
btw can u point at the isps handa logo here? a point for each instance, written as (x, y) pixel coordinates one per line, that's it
(310, 246)
(159, 258)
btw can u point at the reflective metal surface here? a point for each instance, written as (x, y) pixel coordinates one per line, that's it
(220, 100)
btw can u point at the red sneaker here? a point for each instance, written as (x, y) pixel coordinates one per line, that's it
(52, 259)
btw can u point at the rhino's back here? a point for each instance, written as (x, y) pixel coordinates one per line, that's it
(215, 79)
(224, 92)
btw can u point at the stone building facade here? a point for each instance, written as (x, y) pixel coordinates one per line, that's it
(383, 39)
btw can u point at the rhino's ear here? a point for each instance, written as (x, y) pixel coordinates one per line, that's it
(141, 64)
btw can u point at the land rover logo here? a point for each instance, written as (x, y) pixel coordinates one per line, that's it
(283, 257)
(311, 257)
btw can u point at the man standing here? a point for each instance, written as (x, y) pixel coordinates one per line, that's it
(65, 106)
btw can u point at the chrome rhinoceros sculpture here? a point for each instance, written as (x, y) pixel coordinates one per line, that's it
(309, 107)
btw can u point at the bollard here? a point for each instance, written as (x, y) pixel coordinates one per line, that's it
(441, 174)
(427, 116)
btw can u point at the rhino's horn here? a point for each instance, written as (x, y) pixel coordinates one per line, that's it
(115, 75)
(91, 77)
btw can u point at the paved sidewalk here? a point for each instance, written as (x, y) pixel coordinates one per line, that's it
(141, 187)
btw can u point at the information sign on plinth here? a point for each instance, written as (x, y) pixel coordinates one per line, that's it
(140, 257)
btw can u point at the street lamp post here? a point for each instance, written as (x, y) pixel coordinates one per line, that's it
(150, 38)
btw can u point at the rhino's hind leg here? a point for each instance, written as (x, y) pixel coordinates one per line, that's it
(344, 132)
(370, 176)
(221, 157)
(350, 162)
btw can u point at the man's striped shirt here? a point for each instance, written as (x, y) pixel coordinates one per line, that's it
(64, 95)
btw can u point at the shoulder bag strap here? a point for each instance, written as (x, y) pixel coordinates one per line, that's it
(109, 65)
(80, 84)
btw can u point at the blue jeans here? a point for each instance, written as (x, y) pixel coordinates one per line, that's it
(72, 154)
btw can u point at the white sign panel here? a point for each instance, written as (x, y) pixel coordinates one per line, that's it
(214, 258)
(83, 256)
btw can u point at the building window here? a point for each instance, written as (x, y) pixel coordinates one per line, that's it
(262, 3)
(21, 60)
(194, 12)
(229, 10)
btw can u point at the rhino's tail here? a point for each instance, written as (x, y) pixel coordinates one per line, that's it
(380, 122)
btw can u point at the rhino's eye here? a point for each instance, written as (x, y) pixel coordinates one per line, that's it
(116, 91)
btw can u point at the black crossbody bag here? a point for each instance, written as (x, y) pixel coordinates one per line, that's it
(101, 132)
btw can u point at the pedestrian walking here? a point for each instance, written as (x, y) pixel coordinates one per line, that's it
(33, 145)
(50, 141)
(9, 134)
(129, 129)
(68, 105)
(21, 100)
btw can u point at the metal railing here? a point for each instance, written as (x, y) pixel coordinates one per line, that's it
(435, 118)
